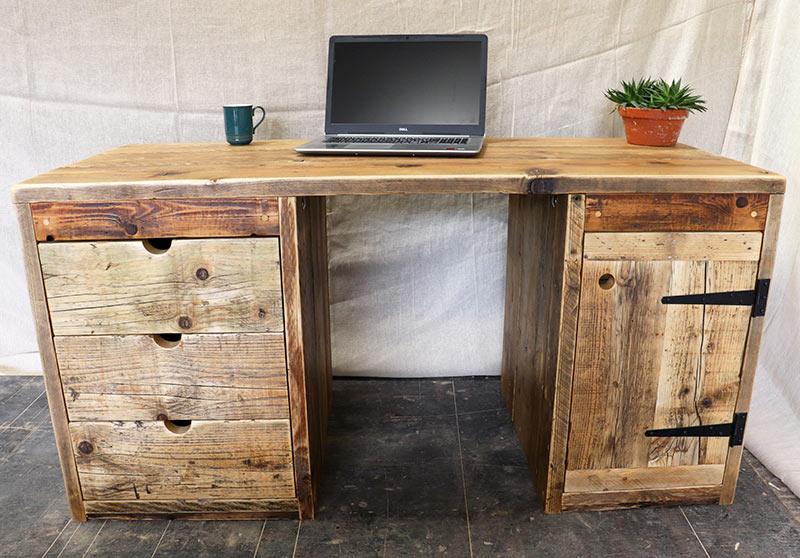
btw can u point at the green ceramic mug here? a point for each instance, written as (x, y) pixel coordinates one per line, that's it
(239, 128)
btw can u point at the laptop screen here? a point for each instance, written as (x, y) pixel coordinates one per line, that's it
(408, 84)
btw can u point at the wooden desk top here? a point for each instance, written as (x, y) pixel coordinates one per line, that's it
(507, 166)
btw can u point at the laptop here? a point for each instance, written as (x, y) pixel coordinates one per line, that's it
(404, 95)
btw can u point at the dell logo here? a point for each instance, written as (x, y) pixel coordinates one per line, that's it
(403, 129)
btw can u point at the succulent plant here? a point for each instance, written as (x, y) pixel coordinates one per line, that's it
(656, 94)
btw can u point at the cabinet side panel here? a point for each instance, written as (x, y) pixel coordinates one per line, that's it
(52, 379)
(543, 286)
(750, 360)
(305, 285)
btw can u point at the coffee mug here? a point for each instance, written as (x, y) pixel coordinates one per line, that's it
(239, 127)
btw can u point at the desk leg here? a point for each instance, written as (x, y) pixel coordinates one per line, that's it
(545, 247)
(304, 265)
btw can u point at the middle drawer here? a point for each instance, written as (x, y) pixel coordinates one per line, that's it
(201, 376)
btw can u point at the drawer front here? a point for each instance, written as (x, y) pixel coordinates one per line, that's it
(129, 219)
(228, 285)
(144, 377)
(212, 459)
(676, 212)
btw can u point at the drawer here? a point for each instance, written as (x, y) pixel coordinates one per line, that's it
(166, 461)
(142, 219)
(228, 285)
(676, 212)
(150, 377)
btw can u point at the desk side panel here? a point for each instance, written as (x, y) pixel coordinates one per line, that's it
(752, 346)
(542, 294)
(47, 353)
(304, 264)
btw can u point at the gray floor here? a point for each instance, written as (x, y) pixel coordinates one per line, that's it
(415, 467)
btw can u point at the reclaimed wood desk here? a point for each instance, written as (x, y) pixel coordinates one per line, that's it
(181, 304)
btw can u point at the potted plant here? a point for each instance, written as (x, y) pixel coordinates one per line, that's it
(653, 111)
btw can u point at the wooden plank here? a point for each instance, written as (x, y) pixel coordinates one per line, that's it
(519, 270)
(568, 331)
(510, 166)
(145, 218)
(583, 501)
(676, 398)
(196, 516)
(752, 346)
(219, 508)
(195, 286)
(52, 380)
(731, 246)
(676, 212)
(142, 377)
(212, 459)
(619, 349)
(724, 336)
(305, 284)
(542, 293)
(642, 478)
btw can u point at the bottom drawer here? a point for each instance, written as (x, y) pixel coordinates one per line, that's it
(156, 460)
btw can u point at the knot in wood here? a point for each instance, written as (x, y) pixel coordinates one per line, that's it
(201, 273)
(85, 447)
(185, 322)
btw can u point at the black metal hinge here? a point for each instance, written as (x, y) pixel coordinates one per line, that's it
(732, 430)
(757, 298)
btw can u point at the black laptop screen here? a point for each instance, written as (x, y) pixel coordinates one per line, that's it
(407, 83)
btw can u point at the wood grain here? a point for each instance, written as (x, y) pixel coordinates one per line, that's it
(52, 378)
(542, 290)
(209, 376)
(119, 287)
(612, 500)
(724, 336)
(509, 166)
(642, 478)
(676, 396)
(145, 218)
(713, 246)
(619, 347)
(183, 509)
(305, 283)
(754, 335)
(213, 459)
(676, 212)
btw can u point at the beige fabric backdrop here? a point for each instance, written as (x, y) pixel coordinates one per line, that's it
(417, 283)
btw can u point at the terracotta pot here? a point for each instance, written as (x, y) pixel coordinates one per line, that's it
(656, 127)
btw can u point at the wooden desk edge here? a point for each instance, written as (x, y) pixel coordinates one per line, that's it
(395, 185)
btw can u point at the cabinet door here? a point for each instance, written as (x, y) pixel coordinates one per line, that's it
(641, 364)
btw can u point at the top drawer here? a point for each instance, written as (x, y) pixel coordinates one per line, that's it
(229, 285)
(130, 219)
(676, 212)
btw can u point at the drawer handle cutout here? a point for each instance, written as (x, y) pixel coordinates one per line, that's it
(606, 281)
(167, 340)
(157, 245)
(178, 426)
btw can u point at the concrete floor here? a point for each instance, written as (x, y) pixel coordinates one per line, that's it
(415, 467)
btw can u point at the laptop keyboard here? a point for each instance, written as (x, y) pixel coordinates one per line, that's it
(397, 139)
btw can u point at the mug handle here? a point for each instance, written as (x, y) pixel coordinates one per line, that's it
(263, 115)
